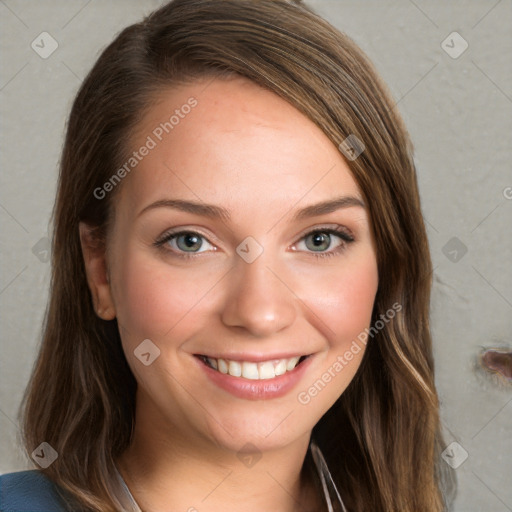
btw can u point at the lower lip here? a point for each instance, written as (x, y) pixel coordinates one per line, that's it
(262, 389)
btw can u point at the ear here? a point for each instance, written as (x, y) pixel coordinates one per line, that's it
(94, 253)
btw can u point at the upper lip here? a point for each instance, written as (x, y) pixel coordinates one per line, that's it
(254, 358)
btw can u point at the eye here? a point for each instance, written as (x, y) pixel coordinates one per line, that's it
(325, 241)
(185, 242)
(321, 242)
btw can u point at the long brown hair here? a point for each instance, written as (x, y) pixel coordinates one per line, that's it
(382, 437)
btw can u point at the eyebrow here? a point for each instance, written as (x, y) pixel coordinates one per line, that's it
(218, 212)
(328, 206)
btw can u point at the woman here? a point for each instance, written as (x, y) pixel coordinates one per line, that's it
(241, 279)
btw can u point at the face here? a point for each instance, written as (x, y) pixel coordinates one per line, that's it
(240, 244)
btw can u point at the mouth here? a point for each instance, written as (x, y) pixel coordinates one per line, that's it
(251, 370)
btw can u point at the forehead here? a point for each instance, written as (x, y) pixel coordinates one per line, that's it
(234, 143)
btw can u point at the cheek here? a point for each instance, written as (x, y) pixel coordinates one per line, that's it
(344, 304)
(341, 313)
(353, 311)
(153, 299)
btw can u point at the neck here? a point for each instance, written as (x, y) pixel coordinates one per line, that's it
(164, 471)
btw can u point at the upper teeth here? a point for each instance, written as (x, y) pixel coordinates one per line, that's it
(254, 371)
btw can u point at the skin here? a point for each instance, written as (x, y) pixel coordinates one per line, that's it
(249, 151)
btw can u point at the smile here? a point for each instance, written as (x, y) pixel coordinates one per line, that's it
(251, 370)
(254, 377)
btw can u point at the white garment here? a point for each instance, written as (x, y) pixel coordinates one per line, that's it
(130, 505)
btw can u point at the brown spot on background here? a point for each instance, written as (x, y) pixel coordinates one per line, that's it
(498, 361)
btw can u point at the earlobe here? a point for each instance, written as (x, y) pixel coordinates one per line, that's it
(94, 254)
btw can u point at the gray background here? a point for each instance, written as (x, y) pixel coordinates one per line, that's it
(459, 113)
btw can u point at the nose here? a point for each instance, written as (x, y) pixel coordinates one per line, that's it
(258, 299)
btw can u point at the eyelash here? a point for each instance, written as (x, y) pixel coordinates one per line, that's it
(345, 237)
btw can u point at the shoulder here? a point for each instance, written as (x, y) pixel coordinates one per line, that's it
(29, 491)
